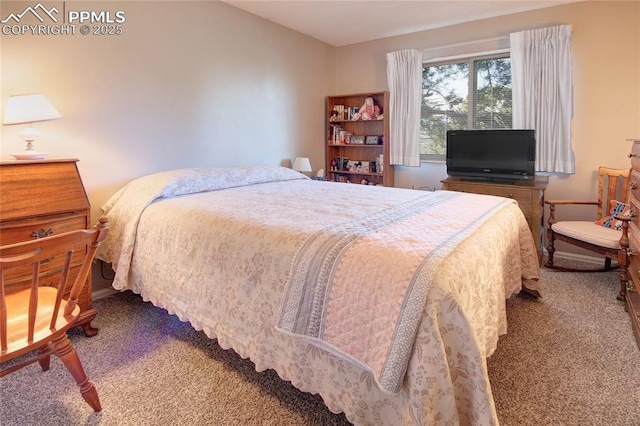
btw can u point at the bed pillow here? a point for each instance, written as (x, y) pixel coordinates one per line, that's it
(171, 183)
(616, 208)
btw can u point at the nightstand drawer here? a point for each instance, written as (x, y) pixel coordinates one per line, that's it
(25, 230)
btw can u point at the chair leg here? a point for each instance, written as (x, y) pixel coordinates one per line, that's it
(66, 352)
(44, 357)
(550, 247)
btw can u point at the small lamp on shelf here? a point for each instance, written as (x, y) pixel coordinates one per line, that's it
(29, 109)
(302, 165)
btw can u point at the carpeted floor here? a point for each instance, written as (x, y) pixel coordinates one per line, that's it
(568, 359)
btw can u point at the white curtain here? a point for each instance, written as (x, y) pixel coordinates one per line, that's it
(404, 76)
(543, 93)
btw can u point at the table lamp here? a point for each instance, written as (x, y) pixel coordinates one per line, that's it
(29, 109)
(302, 164)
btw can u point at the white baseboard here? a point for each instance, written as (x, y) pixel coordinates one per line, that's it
(102, 293)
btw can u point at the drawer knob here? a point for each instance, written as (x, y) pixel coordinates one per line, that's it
(633, 213)
(634, 156)
(630, 252)
(633, 185)
(42, 233)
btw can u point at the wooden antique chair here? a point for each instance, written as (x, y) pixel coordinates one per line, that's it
(613, 185)
(37, 318)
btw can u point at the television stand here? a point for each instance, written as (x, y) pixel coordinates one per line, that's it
(528, 193)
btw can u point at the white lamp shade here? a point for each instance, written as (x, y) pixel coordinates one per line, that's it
(302, 164)
(23, 109)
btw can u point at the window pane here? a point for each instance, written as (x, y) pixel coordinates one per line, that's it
(444, 104)
(492, 94)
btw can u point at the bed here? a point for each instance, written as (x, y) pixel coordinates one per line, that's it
(385, 301)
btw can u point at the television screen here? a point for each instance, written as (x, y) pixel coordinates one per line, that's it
(491, 154)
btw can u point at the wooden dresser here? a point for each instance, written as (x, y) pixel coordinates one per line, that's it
(528, 194)
(40, 198)
(632, 292)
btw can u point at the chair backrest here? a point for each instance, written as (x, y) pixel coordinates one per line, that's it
(613, 184)
(46, 261)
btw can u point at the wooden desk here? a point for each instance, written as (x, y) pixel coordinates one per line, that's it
(40, 198)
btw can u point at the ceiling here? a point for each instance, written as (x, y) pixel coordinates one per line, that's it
(341, 23)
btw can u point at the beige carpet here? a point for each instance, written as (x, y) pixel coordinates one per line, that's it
(568, 359)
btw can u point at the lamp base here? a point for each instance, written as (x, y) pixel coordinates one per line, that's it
(29, 155)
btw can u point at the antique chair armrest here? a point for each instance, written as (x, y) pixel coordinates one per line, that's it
(553, 203)
(575, 202)
(626, 218)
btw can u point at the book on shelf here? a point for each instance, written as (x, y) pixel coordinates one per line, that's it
(334, 133)
(343, 113)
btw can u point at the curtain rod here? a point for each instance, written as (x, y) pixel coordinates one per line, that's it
(465, 43)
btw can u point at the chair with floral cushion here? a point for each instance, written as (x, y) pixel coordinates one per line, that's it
(601, 235)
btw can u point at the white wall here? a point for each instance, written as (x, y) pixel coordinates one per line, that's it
(188, 83)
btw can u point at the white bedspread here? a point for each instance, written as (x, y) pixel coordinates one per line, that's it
(221, 259)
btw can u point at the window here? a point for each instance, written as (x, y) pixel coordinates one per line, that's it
(473, 93)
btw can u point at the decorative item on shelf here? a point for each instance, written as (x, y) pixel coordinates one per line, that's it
(357, 140)
(320, 175)
(368, 111)
(341, 163)
(29, 109)
(302, 165)
(339, 112)
(372, 140)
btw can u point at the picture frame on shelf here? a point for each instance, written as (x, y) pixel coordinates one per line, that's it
(372, 140)
(357, 140)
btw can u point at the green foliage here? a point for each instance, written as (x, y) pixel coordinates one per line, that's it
(445, 100)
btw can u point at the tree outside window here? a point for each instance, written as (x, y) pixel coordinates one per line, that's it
(446, 104)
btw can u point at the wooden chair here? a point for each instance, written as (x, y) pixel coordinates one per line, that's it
(613, 184)
(36, 319)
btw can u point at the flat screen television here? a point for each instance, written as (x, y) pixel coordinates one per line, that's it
(491, 154)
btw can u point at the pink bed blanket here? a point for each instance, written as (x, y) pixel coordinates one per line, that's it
(358, 289)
